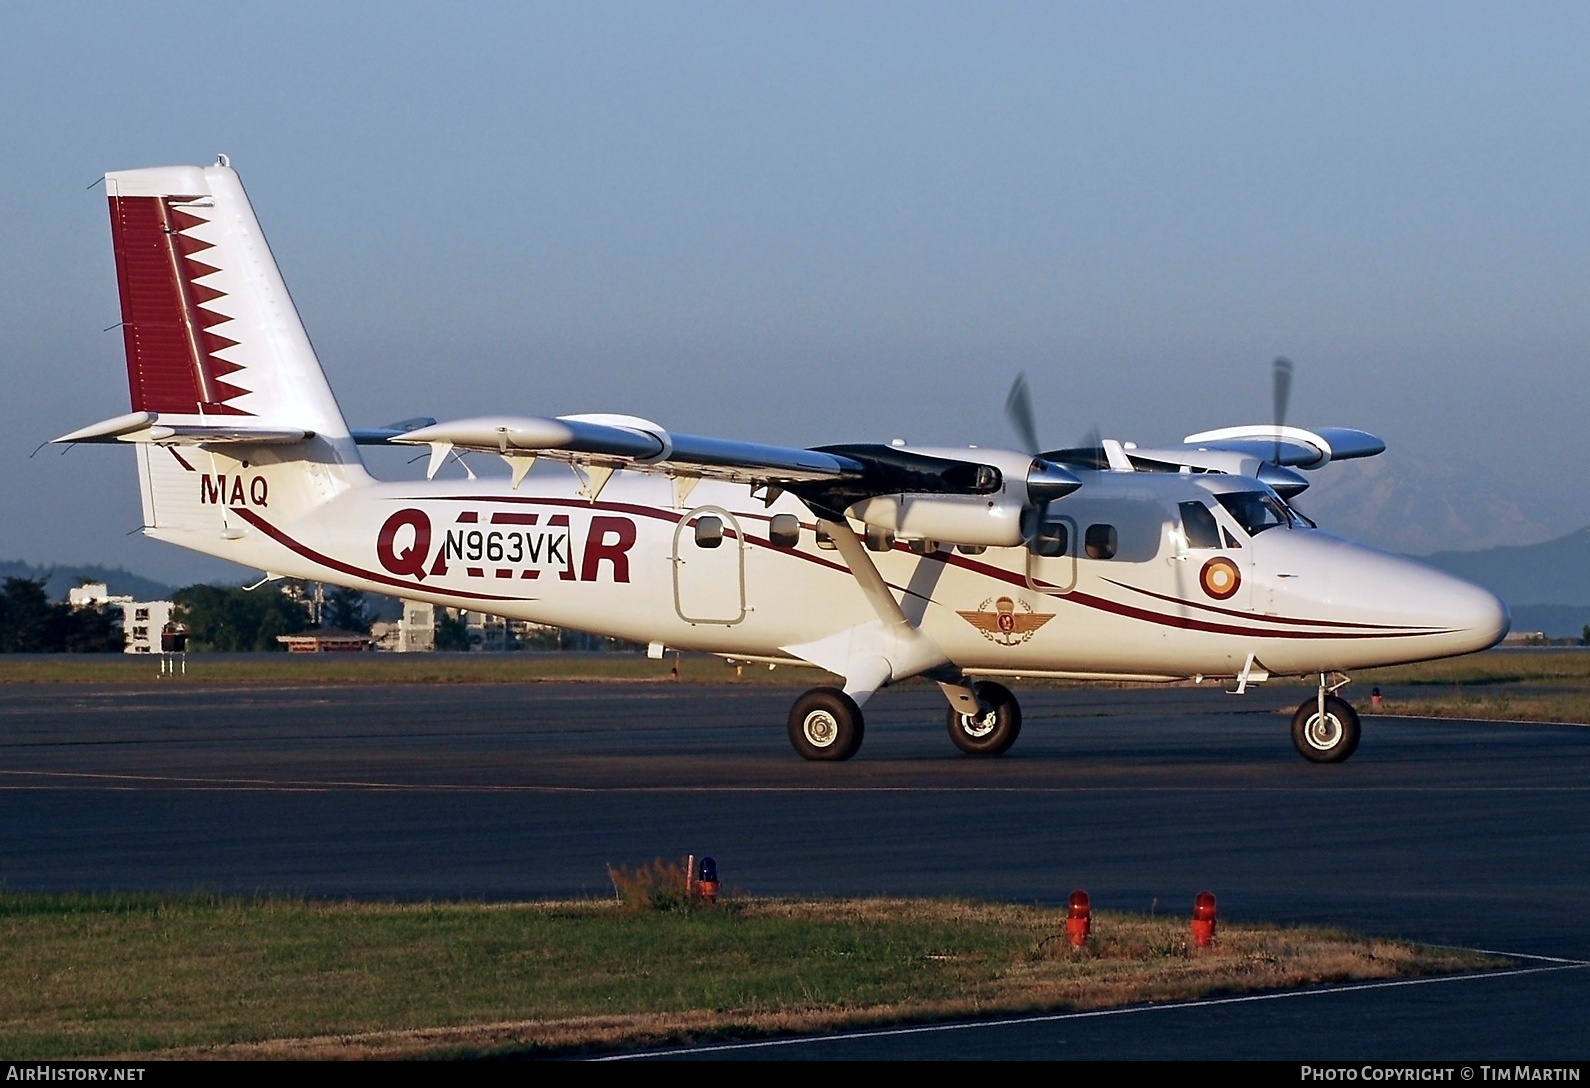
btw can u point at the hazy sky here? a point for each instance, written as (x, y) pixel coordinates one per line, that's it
(806, 223)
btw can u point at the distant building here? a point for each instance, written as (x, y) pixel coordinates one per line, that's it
(324, 640)
(414, 631)
(143, 622)
(417, 628)
(487, 633)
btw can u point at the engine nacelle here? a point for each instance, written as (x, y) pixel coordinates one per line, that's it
(988, 521)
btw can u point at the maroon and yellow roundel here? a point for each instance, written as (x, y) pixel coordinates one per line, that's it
(1220, 578)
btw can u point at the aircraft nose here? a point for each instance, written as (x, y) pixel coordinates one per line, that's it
(1477, 618)
(1467, 617)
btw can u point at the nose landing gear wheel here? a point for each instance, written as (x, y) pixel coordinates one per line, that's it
(993, 731)
(825, 724)
(1330, 739)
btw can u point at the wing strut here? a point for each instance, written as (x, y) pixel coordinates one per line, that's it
(891, 648)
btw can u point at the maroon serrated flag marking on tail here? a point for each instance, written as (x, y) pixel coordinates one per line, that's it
(165, 323)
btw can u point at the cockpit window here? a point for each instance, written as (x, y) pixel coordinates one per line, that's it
(1256, 511)
(1199, 526)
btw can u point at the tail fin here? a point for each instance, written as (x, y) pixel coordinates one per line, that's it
(222, 375)
(209, 326)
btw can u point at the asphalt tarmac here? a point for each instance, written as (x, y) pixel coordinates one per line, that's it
(1462, 833)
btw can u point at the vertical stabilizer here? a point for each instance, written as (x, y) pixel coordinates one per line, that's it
(209, 326)
(215, 346)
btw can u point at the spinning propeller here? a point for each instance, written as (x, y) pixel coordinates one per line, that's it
(1089, 453)
(1046, 481)
(1280, 394)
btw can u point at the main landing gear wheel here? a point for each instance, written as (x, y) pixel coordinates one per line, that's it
(993, 731)
(1330, 739)
(825, 724)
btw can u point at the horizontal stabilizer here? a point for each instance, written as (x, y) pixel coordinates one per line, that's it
(146, 427)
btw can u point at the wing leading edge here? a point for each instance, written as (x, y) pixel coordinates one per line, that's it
(829, 478)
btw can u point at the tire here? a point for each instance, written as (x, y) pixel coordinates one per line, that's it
(825, 725)
(993, 733)
(1332, 743)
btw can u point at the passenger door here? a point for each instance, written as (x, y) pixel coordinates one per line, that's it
(709, 567)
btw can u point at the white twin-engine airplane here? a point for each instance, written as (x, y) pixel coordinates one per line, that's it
(875, 562)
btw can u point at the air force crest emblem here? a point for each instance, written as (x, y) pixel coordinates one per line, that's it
(1006, 621)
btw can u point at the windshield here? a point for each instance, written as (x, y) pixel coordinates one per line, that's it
(1256, 511)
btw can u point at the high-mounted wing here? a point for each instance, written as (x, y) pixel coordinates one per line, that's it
(830, 478)
(625, 442)
(1291, 446)
(380, 436)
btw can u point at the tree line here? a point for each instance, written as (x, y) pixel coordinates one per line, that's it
(224, 619)
(232, 619)
(215, 617)
(31, 623)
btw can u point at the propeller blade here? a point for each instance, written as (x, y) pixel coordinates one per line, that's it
(1093, 442)
(1281, 393)
(1018, 409)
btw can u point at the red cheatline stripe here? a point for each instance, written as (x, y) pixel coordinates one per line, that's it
(1276, 619)
(1087, 600)
(358, 572)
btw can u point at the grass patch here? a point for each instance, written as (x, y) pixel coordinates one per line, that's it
(1492, 667)
(231, 977)
(372, 668)
(1567, 706)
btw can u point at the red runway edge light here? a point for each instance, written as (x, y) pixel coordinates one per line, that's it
(1079, 918)
(1203, 920)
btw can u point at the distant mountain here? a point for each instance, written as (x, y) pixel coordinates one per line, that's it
(1417, 506)
(1556, 572)
(57, 580)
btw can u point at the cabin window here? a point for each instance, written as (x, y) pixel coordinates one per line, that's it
(878, 539)
(709, 531)
(1231, 541)
(1199, 526)
(824, 541)
(784, 530)
(971, 549)
(1101, 541)
(1053, 539)
(1255, 511)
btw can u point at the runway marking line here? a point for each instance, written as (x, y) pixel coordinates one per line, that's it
(128, 783)
(1475, 721)
(1050, 1018)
